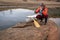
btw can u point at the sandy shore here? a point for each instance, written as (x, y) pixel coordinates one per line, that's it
(27, 31)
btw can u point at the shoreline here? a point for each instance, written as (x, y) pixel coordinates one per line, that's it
(24, 30)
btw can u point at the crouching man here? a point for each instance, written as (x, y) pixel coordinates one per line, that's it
(42, 12)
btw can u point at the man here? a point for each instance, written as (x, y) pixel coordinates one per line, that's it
(42, 13)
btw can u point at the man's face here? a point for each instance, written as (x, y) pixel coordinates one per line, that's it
(41, 6)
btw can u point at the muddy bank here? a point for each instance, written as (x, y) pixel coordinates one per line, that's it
(27, 31)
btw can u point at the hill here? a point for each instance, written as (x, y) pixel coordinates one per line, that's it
(4, 4)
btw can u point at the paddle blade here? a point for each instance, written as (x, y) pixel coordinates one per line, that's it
(36, 24)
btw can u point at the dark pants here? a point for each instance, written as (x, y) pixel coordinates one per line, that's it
(41, 17)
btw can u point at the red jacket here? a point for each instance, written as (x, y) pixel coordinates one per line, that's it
(44, 12)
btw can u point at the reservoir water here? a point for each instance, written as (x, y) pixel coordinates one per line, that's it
(11, 17)
(56, 20)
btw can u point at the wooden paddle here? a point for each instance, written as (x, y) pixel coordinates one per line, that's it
(36, 23)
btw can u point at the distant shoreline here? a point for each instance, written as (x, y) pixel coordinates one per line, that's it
(52, 12)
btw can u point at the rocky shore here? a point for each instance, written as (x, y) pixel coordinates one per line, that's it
(27, 31)
(5, 5)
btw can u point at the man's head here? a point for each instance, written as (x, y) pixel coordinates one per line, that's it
(42, 5)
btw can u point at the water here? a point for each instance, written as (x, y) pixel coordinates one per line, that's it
(8, 18)
(11, 17)
(56, 20)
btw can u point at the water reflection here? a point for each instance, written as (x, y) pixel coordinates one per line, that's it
(56, 20)
(13, 16)
(11, 11)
